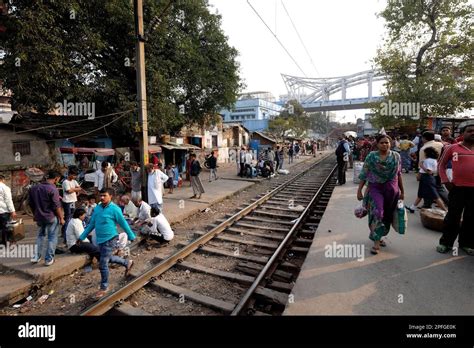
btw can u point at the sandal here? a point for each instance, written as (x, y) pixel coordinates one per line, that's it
(382, 243)
(101, 294)
(374, 250)
(129, 267)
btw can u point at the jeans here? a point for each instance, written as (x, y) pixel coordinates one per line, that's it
(213, 174)
(68, 212)
(51, 230)
(89, 248)
(461, 203)
(106, 250)
(248, 170)
(4, 218)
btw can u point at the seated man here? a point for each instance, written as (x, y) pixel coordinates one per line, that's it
(143, 216)
(269, 165)
(143, 211)
(265, 171)
(73, 232)
(160, 229)
(129, 209)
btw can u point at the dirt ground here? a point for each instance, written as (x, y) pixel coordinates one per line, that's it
(73, 293)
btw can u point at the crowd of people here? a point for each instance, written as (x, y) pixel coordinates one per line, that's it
(444, 168)
(270, 161)
(90, 226)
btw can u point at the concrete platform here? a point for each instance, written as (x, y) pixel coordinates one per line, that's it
(408, 277)
(14, 286)
(18, 275)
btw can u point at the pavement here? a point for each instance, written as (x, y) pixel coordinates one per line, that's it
(18, 276)
(408, 277)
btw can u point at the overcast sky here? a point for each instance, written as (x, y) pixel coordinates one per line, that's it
(341, 37)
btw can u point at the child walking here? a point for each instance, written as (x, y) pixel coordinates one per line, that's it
(427, 186)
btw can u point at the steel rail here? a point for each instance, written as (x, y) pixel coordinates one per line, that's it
(242, 305)
(136, 284)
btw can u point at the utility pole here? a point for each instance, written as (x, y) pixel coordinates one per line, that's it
(141, 92)
(327, 130)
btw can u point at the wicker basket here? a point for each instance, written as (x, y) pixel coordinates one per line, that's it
(432, 219)
(34, 174)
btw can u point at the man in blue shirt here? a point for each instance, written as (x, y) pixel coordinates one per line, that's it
(104, 220)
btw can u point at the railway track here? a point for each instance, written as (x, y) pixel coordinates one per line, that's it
(246, 263)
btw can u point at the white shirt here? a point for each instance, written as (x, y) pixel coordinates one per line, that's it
(6, 202)
(99, 178)
(67, 185)
(155, 186)
(73, 231)
(248, 158)
(144, 211)
(130, 210)
(430, 164)
(241, 157)
(434, 144)
(161, 226)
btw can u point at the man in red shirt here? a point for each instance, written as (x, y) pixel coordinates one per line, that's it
(461, 192)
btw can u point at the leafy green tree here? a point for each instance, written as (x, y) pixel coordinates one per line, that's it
(318, 122)
(292, 109)
(83, 50)
(427, 56)
(299, 126)
(292, 121)
(279, 128)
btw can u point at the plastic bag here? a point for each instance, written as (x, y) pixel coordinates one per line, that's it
(400, 218)
(449, 174)
(360, 211)
(357, 169)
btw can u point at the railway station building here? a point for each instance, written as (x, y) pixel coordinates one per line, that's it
(253, 110)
